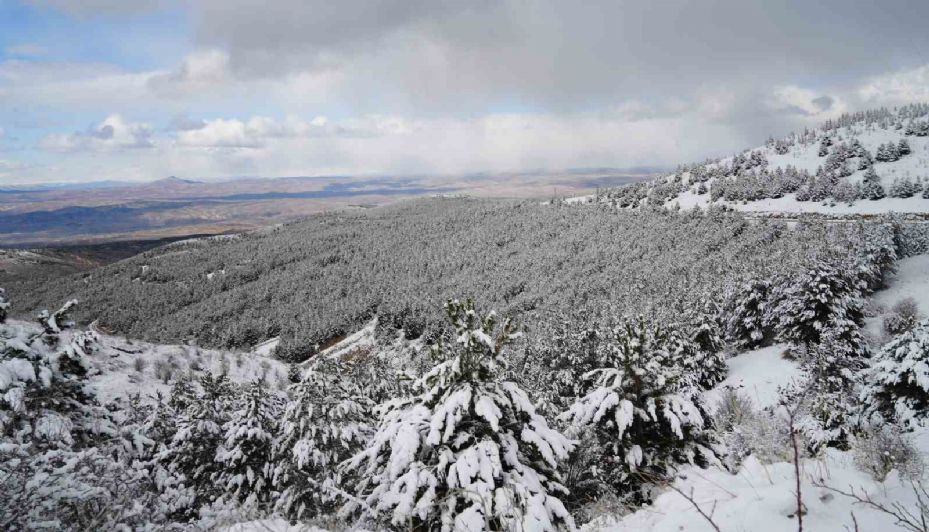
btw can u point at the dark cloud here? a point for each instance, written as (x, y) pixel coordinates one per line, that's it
(185, 123)
(823, 103)
(565, 55)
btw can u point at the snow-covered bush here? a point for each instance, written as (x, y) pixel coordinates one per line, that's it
(327, 421)
(467, 450)
(903, 317)
(46, 400)
(731, 420)
(898, 381)
(646, 408)
(880, 449)
(54, 323)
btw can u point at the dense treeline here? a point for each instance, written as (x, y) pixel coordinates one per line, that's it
(311, 282)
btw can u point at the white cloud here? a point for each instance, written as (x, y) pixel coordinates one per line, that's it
(388, 144)
(258, 131)
(897, 88)
(25, 50)
(806, 102)
(199, 71)
(113, 134)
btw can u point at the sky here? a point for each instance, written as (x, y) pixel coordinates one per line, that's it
(135, 90)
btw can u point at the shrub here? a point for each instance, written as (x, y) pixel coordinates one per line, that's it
(881, 449)
(903, 317)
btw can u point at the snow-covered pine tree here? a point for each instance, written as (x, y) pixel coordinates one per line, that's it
(903, 148)
(466, 451)
(865, 160)
(52, 324)
(700, 349)
(244, 458)
(645, 411)
(4, 306)
(823, 297)
(871, 185)
(901, 188)
(827, 392)
(824, 146)
(877, 256)
(898, 381)
(191, 453)
(328, 420)
(748, 318)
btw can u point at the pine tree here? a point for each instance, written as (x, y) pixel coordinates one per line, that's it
(871, 185)
(825, 297)
(4, 306)
(898, 380)
(646, 412)
(824, 146)
(245, 458)
(865, 160)
(903, 148)
(826, 394)
(706, 335)
(466, 451)
(191, 453)
(748, 324)
(328, 421)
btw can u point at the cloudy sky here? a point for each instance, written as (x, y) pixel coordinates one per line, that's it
(142, 89)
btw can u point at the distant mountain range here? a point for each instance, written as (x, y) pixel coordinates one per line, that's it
(99, 211)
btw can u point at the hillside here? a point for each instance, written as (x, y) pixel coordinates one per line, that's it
(312, 282)
(859, 164)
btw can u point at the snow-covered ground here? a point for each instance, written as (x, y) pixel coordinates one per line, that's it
(761, 498)
(788, 204)
(757, 375)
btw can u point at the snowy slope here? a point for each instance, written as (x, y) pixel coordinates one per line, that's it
(760, 497)
(123, 368)
(853, 139)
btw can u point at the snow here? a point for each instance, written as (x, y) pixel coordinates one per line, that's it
(758, 374)
(270, 525)
(266, 348)
(760, 497)
(788, 204)
(363, 339)
(911, 280)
